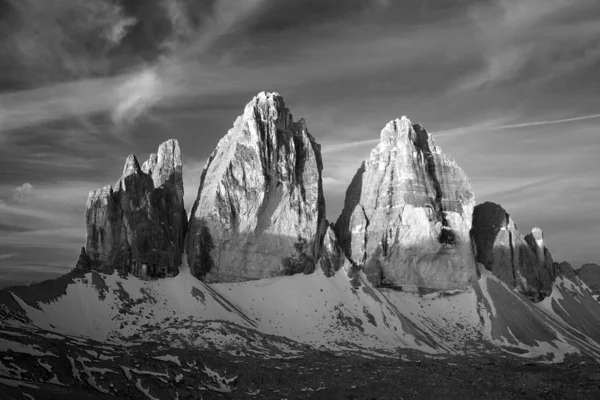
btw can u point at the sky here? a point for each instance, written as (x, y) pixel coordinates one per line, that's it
(508, 88)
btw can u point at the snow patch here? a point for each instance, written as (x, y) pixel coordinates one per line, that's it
(169, 358)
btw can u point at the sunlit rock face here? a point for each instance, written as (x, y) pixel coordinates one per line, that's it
(139, 226)
(408, 212)
(260, 210)
(535, 240)
(521, 262)
(590, 275)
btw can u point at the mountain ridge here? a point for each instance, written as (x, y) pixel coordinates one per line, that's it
(262, 275)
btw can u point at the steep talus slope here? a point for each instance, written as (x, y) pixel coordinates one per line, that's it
(573, 303)
(332, 313)
(260, 210)
(139, 225)
(521, 262)
(407, 214)
(124, 336)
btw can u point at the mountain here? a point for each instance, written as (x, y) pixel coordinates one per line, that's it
(522, 262)
(407, 214)
(180, 335)
(139, 226)
(590, 275)
(260, 210)
(413, 293)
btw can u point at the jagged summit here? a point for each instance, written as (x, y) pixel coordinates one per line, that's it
(522, 262)
(393, 132)
(260, 210)
(139, 227)
(407, 213)
(164, 164)
(132, 166)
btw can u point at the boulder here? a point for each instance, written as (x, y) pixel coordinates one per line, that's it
(139, 226)
(260, 210)
(521, 262)
(408, 212)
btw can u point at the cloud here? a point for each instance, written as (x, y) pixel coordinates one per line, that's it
(340, 147)
(487, 126)
(60, 238)
(126, 94)
(539, 38)
(48, 217)
(138, 94)
(68, 40)
(23, 192)
(7, 256)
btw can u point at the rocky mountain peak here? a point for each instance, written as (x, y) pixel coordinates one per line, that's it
(269, 107)
(166, 163)
(150, 163)
(536, 237)
(407, 213)
(132, 166)
(399, 131)
(140, 226)
(260, 210)
(522, 262)
(395, 129)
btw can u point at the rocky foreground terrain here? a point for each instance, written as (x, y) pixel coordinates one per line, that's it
(415, 292)
(63, 367)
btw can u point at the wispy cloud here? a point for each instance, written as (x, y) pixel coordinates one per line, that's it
(47, 216)
(7, 256)
(340, 147)
(125, 95)
(492, 127)
(23, 192)
(515, 35)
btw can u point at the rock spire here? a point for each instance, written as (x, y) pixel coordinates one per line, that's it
(407, 214)
(521, 262)
(139, 225)
(260, 210)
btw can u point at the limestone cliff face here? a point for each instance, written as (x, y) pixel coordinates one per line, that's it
(407, 214)
(332, 257)
(165, 168)
(521, 262)
(260, 210)
(535, 240)
(139, 226)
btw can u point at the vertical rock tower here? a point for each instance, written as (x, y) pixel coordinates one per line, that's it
(521, 262)
(407, 214)
(140, 225)
(260, 210)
